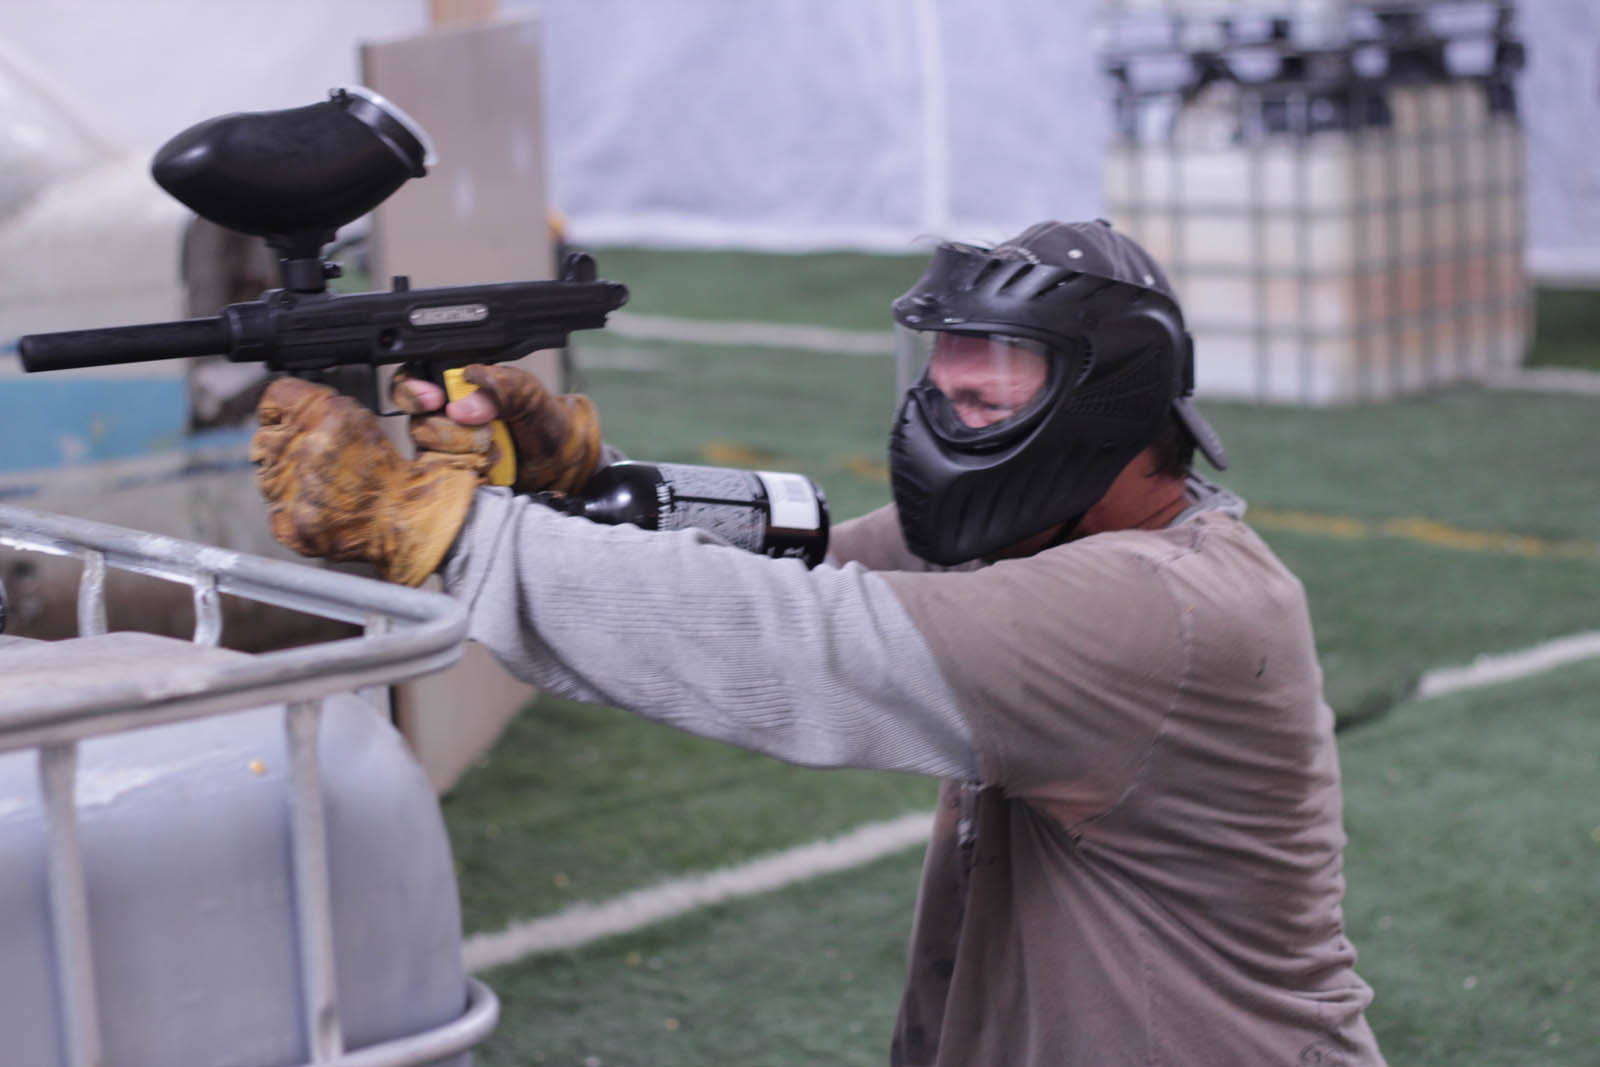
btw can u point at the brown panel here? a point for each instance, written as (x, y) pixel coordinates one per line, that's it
(479, 216)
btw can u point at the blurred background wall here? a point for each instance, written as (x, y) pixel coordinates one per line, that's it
(789, 124)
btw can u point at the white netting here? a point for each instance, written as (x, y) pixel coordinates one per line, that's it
(868, 123)
(796, 123)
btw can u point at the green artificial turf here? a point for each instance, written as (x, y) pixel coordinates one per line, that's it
(1387, 611)
(843, 290)
(1474, 855)
(1484, 460)
(579, 802)
(1566, 328)
(807, 975)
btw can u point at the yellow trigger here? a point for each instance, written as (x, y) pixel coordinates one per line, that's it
(504, 471)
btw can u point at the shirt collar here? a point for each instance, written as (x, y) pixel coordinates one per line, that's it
(1205, 495)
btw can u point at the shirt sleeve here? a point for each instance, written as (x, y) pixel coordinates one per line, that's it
(817, 667)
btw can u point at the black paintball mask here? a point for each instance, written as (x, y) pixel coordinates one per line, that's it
(1049, 362)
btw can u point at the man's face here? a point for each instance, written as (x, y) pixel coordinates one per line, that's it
(987, 379)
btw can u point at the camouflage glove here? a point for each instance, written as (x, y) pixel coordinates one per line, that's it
(337, 489)
(556, 438)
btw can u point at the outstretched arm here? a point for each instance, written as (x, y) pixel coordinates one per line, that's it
(820, 667)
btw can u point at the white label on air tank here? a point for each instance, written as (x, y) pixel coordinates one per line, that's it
(791, 503)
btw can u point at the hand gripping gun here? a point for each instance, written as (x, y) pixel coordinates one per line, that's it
(294, 177)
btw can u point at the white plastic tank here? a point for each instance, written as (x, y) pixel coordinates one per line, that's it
(185, 831)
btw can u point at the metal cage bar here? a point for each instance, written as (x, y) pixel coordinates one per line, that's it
(312, 897)
(69, 905)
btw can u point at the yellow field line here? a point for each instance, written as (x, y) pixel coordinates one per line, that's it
(1424, 531)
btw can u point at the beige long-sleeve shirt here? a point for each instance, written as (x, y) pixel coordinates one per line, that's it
(1137, 853)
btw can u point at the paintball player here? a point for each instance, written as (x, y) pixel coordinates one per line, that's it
(1136, 856)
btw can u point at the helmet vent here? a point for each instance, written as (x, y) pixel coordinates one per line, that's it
(1017, 276)
(985, 269)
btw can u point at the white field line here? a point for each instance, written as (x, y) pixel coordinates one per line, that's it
(585, 922)
(1492, 670)
(1547, 380)
(751, 334)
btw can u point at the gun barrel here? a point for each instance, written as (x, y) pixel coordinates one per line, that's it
(124, 344)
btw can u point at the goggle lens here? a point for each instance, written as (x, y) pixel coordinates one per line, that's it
(988, 379)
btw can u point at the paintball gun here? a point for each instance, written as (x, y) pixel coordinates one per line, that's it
(294, 177)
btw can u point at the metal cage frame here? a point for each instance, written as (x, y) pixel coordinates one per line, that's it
(406, 632)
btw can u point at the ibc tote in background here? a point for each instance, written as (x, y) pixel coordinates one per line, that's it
(1335, 187)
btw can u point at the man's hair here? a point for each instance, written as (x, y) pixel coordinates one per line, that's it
(1174, 448)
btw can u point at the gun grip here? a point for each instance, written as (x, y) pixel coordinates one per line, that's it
(504, 471)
